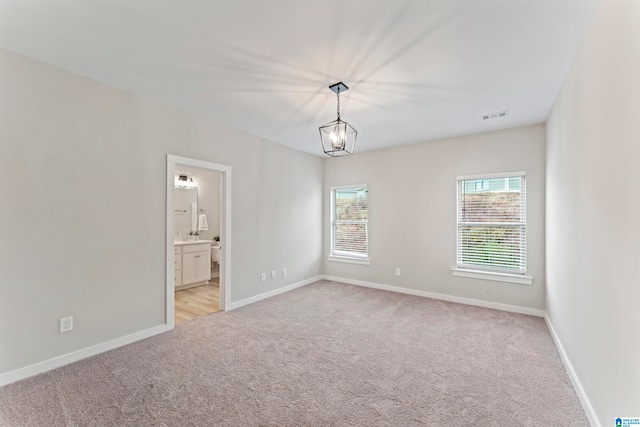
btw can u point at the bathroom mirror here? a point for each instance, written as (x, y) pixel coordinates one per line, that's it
(185, 210)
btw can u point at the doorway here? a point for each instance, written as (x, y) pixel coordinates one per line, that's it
(176, 240)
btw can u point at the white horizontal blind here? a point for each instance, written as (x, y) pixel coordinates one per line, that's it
(492, 223)
(349, 218)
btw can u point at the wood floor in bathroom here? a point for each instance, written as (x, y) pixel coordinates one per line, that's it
(198, 301)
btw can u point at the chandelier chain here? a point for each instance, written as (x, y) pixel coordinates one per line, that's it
(338, 103)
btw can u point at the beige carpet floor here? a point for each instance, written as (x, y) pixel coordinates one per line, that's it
(326, 354)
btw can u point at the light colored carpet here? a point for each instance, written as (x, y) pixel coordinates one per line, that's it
(326, 354)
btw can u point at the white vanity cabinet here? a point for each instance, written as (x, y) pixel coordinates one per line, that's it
(194, 266)
(177, 266)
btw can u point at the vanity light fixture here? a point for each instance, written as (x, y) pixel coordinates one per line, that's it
(182, 181)
(338, 137)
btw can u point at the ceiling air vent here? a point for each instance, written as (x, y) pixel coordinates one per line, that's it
(495, 115)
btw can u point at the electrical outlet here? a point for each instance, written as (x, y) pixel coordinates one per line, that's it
(273, 274)
(66, 324)
(284, 272)
(397, 271)
(263, 277)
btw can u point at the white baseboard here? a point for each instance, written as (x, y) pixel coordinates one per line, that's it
(577, 385)
(443, 297)
(259, 297)
(65, 359)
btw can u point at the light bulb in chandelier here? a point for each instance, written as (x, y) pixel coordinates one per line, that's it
(337, 142)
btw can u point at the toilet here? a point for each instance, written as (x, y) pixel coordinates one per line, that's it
(215, 252)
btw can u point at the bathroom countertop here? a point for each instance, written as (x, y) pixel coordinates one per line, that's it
(190, 242)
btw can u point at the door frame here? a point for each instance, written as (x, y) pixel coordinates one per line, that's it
(225, 232)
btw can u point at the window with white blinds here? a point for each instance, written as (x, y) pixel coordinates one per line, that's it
(492, 223)
(349, 221)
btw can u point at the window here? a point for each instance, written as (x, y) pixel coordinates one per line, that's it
(492, 223)
(349, 218)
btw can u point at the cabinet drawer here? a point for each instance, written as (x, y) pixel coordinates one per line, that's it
(177, 262)
(177, 278)
(177, 250)
(196, 247)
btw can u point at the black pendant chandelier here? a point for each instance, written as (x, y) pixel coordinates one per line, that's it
(338, 137)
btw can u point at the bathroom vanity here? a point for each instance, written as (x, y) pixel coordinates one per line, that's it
(192, 263)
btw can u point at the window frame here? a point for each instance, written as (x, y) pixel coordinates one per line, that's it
(345, 256)
(492, 273)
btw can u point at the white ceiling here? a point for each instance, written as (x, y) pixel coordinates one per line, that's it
(417, 70)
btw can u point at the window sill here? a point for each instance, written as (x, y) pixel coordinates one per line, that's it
(490, 275)
(349, 260)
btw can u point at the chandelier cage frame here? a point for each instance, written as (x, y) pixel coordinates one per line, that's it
(338, 137)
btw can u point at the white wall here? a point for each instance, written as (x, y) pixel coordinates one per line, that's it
(82, 209)
(593, 193)
(412, 212)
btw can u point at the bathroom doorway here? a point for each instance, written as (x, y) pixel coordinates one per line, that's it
(196, 216)
(198, 238)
